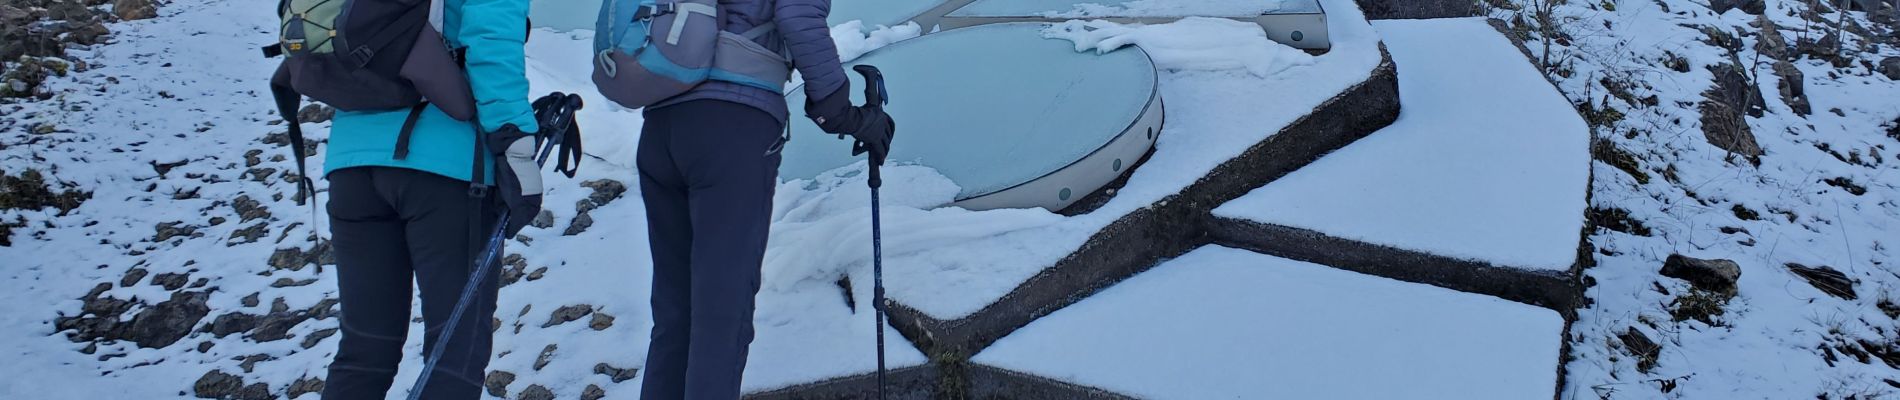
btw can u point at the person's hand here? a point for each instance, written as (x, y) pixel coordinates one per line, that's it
(868, 124)
(517, 178)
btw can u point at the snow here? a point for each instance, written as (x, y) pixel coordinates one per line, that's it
(1212, 117)
(1482, 140)
(1774, 338)
(1226, 323)
(1194, 43)
(853, 41)
(1134, 8)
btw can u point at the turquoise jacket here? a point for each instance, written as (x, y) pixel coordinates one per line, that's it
(494, 32)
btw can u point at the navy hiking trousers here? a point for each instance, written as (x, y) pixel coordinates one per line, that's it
(390, 226)
(707, 172)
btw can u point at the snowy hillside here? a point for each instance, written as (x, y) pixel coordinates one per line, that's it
(153, 245)
(1767, 134)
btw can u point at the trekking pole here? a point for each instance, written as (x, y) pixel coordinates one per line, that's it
(874, 94)
(560, 118)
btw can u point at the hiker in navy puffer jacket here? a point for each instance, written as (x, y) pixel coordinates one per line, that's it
(708, 162)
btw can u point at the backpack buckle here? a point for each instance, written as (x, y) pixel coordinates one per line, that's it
(363, 55)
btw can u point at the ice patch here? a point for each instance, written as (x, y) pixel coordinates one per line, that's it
(1194, 43)
(854, 42)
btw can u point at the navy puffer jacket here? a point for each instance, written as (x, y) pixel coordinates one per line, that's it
(802, 27)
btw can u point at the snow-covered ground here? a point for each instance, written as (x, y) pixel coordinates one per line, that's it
(1486, 162)
(1221, 323)
(1780, 337)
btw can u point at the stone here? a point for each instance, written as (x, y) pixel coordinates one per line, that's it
(317, 337)
(166, 323)
(132, 10)
(250, 301)
(1827, 279)
(1771, 43)
(171, 281)
(1645, 349)
(1711, 275)
(164, 231)
(132, 277)
(1724, 109)
(249, 209)
(616, 374)
(547, 355)
(543, 220)
(567, 314)
(601, 321)
(1747, 6)
(231, 323)
(255, 391)
(287, 282)
(581, 222)
(536, 392)
(593, 392)
(1890, 67)
(315, 113)
(497, 383)
(304, 386)
(605, 190)
(216, 384)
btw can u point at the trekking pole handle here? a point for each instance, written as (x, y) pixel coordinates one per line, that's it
(874, 96)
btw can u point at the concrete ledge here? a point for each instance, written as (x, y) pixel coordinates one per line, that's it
(988, 382)
(1558, 291)
(1130, 245)
(913, 383)
(1418, 9)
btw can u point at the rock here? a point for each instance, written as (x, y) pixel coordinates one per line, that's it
(537, 274)
(547, 355)
(287, 282)
(497, 383)
(171, 281)
(249, 301)
(1890, 67)
(248, 235)
(248, 209)
(255, 391)
(315, 113)
(1711, 275)
(216, 384)
(1793, 87)
(593, 392)
(167, 230)
(30, 191)
(132, 10)
(567, 314)
(1642, 347)
(324, 309)
(1747, 6)
(601, 321)
(166, 323)
(233, 323)
(132, 277)
(605, 190)
(581, 222)
(1771, 43)
(304, 386)
(543, 220)
(317, 337)
(296, 258)
(536, 392)
(276, 326)
(1828, 48)
(1828, 280)
(1723, 109)
(249, 363)
(616, 374)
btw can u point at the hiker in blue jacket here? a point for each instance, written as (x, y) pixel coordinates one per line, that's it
(397, 217)
(708, 162)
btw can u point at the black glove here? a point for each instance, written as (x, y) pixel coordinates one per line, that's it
(868, 124)
(517, 178)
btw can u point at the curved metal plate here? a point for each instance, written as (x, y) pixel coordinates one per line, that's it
(998, 107)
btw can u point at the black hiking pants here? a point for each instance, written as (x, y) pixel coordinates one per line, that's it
(390, 226)
(707, 178)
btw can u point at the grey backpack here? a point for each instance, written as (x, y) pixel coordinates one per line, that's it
(646, 51)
